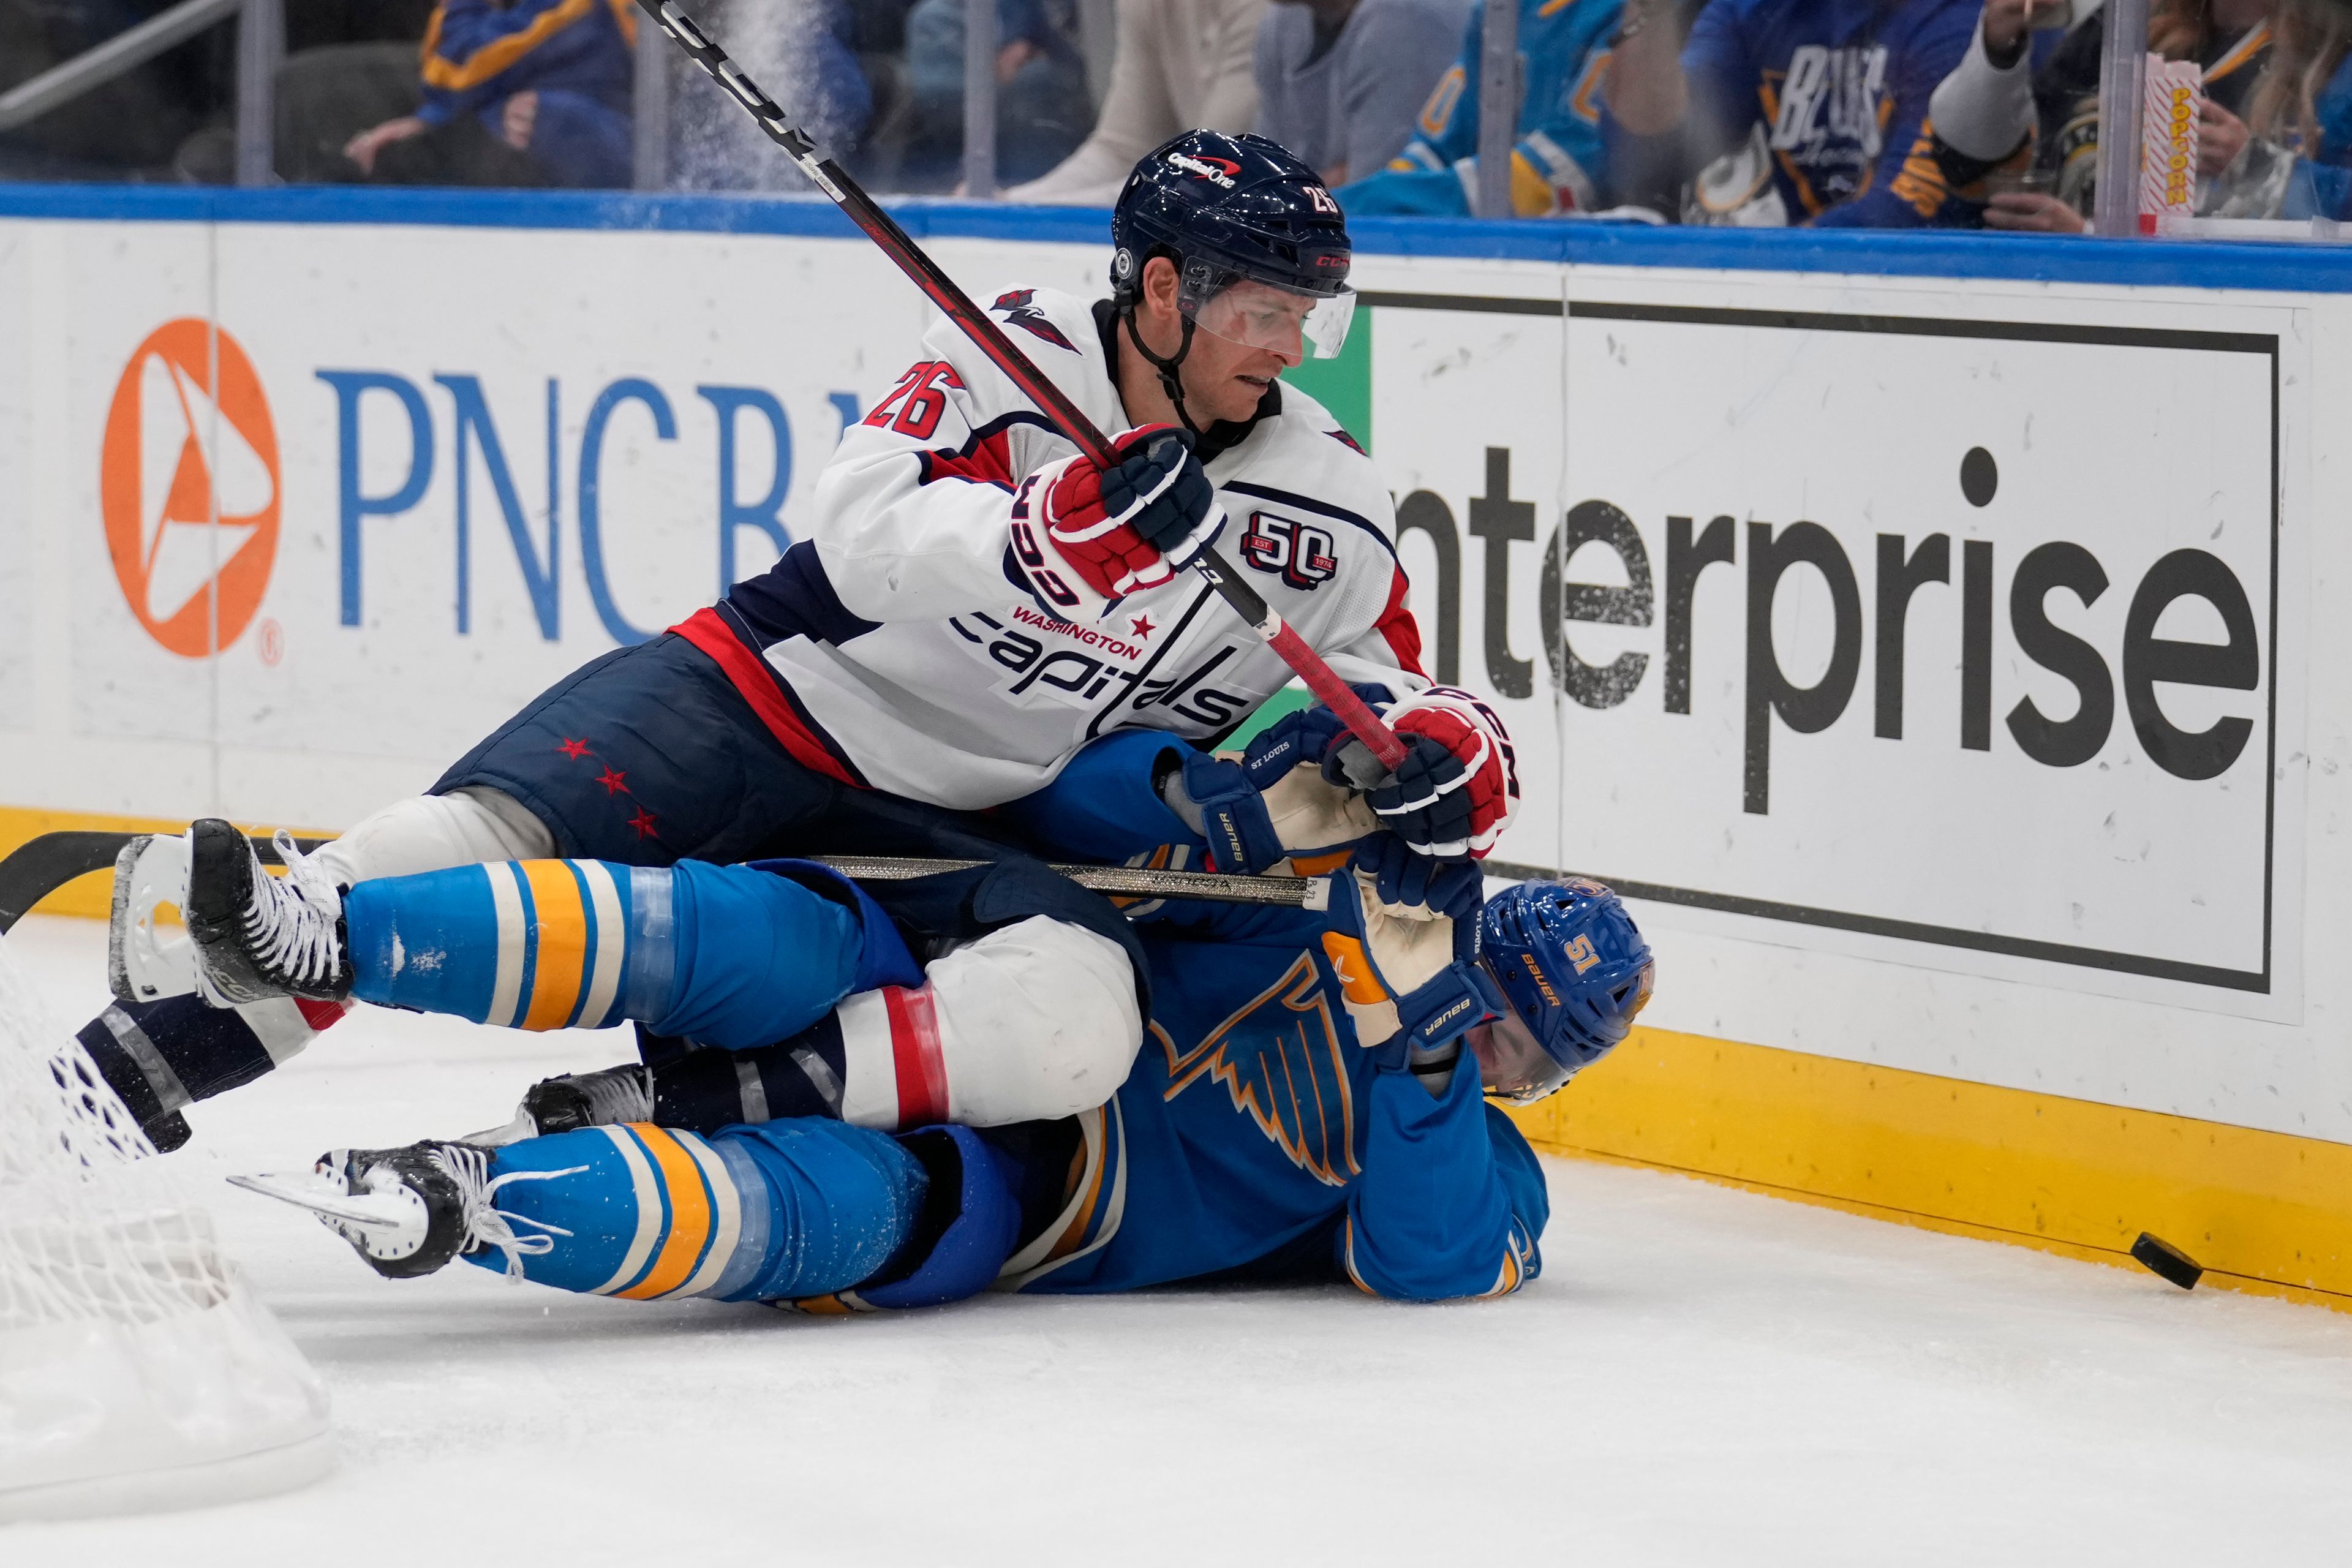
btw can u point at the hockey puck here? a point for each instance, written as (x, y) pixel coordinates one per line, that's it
(2167, 1260)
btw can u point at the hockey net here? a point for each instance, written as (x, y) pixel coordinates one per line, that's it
(137, 1371)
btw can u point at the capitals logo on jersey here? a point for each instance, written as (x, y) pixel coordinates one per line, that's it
(1020, 311)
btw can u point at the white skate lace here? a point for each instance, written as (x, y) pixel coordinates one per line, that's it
(486, 1224)
(290, 928)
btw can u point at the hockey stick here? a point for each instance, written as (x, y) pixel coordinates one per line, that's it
(1121, 881)
(1067, 417)
(41, 866)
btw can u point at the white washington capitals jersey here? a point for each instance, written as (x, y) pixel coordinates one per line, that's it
(899, 647)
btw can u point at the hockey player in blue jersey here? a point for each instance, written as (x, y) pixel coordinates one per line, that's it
(1558, 162)
(1789, 111)
(1309, 1102)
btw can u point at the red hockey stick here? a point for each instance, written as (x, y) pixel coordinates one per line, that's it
(884, 231)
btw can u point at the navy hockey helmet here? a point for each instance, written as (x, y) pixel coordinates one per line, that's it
(1259, 245)
(1576, 971)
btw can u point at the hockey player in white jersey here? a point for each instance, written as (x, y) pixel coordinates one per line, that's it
(975, 602)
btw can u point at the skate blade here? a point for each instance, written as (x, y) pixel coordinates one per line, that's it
(324, 1195)
(514, 1132)
(145, 963)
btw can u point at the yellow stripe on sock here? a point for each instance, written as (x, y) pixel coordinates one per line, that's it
(561, 927)
(690, 1215)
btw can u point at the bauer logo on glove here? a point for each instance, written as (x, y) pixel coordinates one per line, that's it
(1408, 974)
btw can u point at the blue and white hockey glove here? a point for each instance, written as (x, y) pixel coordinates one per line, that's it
(1216, 800)
(1304, 736)
(1409, 975)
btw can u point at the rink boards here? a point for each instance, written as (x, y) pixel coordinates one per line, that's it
(1929, 634)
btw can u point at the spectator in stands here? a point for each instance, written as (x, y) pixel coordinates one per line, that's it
(1043, 110)
(523, 92)
(1558, 163)
(1180, 64)
(1338, 81)
(2300, 122)
(1998, 109)
(1787, 111)
(349, 66)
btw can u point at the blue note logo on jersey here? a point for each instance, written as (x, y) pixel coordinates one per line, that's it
(1283, 1061)
(1828, 115)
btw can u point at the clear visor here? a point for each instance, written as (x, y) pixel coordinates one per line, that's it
(1511, 1065)
(1261, 316)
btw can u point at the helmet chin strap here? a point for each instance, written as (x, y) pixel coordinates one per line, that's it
(1167, 366)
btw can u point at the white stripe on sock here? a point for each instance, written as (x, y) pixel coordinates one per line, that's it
(612, 939)
(650, 1209)
(505, 899)
(727, 1215)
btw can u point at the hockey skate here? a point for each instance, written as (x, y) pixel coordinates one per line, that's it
(257, 936)
(569, 1101)
(249, 936)
(407, 1212)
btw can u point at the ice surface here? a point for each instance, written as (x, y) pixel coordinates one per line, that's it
(1701, 1376)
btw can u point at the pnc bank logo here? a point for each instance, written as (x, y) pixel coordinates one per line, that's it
(188, 484)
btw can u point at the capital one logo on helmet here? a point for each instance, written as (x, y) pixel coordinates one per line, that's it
(188, 486)
(1216, 171)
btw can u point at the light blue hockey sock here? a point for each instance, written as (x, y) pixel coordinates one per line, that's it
(722, 954)
(794, 1208)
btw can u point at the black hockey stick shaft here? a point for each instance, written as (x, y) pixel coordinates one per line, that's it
(41, 865)
(976, 324)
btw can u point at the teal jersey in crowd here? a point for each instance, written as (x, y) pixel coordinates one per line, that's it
(1558, 162)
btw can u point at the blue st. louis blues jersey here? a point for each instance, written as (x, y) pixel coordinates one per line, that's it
(1254, 1136)
(1825, 104)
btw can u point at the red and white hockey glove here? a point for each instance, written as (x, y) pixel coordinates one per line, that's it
(1129, 527)
(1459, 783)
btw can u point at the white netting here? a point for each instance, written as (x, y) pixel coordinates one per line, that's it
(136, 1370)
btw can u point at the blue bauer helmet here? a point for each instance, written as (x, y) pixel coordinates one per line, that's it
(1575, 970)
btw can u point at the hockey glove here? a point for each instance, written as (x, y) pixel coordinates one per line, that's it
(1458, 785)
(1216, 800)
(1410, 976)
(1129, 527)
(1304, 736)
(1404, 876)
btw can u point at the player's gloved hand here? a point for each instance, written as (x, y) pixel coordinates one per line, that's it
(1458, 785)
(1404, 876)
(1216, 800)
(1130, 526)
(1409, 975)
(1304, 736)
